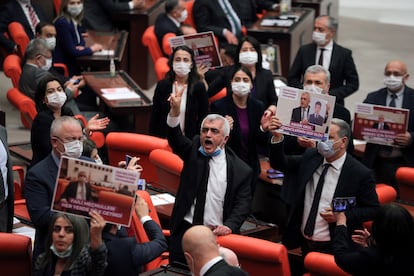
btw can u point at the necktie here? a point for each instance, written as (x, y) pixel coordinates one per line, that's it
(303, 113)
(33, 18)
(392, 102)
(198, 216)
(310, 223)
(232, 16)
(320, 61)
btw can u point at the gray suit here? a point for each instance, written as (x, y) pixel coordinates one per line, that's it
(7, 212)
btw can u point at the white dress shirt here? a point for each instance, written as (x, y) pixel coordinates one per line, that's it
(327, 54)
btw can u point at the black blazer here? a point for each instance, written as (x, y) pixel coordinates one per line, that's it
(354, 180)
(197, 109)
(255, 110)
(10, 183)
(12, 11)
(237, 201)
(344, 76)
(263, 85)
(221, 268)
(163, 25)
(380, 98)
(71, 190)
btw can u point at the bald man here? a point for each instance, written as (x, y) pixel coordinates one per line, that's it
(386, 160)
(202, 254)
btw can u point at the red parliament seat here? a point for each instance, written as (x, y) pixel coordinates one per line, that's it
(321, 264)
(169, 167)
(15, 254)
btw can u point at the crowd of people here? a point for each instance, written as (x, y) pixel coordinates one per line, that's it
(220, 143)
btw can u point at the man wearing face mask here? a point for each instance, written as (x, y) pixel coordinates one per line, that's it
(325, 52)
(318, 176)
(386, 160)
(47, 31)
(66, 138)
(38, 59)
(172, 21)
(215, 184)
(24, 12)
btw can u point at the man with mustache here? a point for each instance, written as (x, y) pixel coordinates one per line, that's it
(215, 184)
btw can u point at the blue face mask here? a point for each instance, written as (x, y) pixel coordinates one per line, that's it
(63, 254)
(326, 148)
(215, 153)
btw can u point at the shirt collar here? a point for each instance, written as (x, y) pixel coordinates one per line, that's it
(209, 264)
(178, 24)
(329, 46)
(338, 163)
(398, 94)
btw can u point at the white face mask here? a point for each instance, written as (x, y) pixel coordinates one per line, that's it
(183, 16)
(51, 43)
(63, 254)
(248, 57)
(98, 161)
(313, 88)
(240, 88)
(393, 83)
(326, 148)
(56, 100)
(47, 65)
(75, 10)
(319, 38)
(181, 68)
(73, 149)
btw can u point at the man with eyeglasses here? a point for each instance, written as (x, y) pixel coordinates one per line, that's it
(382, 159)
(215, 184)
(66, 137)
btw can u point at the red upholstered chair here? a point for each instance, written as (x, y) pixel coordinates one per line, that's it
(321, 264)
(121, 143)
(149, 39)
(24, 104)
(141, 235)
(405, 179)
(166, 43)
(56, 5)
(221, 94)
(161, 67)
(20, 208)
(15, 254)
(169, 167)
(13, 69)
(190, 19)
(257, 256)
(96, 136)
(19, 36)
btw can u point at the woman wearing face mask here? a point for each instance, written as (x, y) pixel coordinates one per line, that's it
(50, 101)
(194, 102)
(69, 32)
(71, 250)
(244, 113)
(248, 54)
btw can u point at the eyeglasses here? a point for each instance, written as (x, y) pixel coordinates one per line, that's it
(70, 139)
(207, 129)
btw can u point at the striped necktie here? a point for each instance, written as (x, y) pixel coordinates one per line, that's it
(232, 16)
(33, 17)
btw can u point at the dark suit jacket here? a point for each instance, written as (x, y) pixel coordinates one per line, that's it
(255, 110)
(297, 114)
(385, 126)
(236, 206)
(10, 183)
(163, 25)
(209, 16)
(344, 76)
(71, 189)
(221, 268)
(98, 14)
(12, 11)
(39, 186)
(264, 88)
(126, 256)
(316, 119)
(354, 180)
(379, 98)
(197, 109)
(66, 42)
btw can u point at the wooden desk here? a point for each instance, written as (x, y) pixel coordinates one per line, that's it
(110, 41)
(140, 65)
(22, 151)
(140, 111)
(290, 38)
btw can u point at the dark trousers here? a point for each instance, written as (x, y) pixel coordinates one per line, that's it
(175, 248)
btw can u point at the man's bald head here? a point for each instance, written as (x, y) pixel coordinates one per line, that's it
(199, 240)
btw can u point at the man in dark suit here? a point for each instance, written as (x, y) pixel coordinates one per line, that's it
(20, 11)
(316, 118)
(300, 114)
(126, 256)
(219, 16)
(337, 59)
(381, 123)
(39, 184)
(6, 185)
(311, 220)
(386, 160)
(171, 21)
(215, 184)
(98, 12)
(80, 189)
(202, 253)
